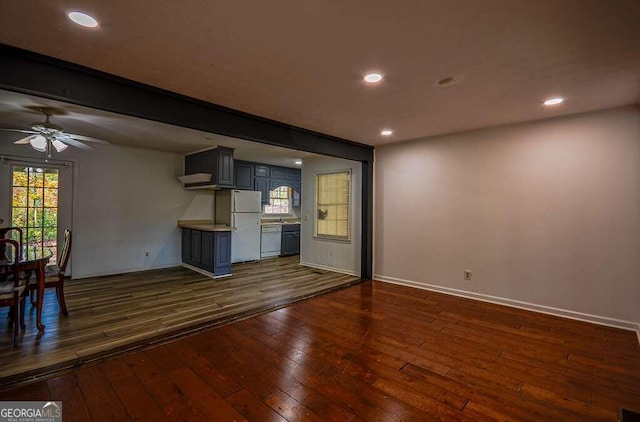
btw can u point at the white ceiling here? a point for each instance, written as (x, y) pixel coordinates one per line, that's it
(301, 61)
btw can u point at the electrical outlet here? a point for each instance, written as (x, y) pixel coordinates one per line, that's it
(467, 274)
(146, 254)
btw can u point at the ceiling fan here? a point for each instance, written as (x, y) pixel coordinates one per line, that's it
(47, 136)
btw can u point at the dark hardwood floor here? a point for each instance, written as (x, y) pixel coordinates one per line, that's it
(112, 313)
(372, 352)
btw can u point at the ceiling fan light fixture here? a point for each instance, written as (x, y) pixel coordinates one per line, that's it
(83, 19)
(59, 145)
(39, 143)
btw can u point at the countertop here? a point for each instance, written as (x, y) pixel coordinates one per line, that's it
(265, 222)
(204, 225)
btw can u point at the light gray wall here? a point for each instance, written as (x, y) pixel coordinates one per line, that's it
(546, 213)
(323, 253)
(126, 202)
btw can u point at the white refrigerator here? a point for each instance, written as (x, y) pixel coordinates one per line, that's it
(241, 209)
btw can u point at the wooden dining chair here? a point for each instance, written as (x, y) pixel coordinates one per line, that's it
(12, 286)
(4, 231)
(54, 274)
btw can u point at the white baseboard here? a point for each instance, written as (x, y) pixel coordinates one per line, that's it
(596, 319)
(327, 268)
(124, 271)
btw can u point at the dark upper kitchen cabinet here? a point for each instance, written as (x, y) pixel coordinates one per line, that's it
(217, 161)
(244, 175)
(261, 184)
(279, 173)
(261, 170)
(294, 184)
(290, 240)
(225, 167)
(295, 201)
(284, 173)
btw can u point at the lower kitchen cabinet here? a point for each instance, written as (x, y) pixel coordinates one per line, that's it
(206, 253)
(290, 244)
(222, 253)
(207, 250)
(196, 248)
(186, 246)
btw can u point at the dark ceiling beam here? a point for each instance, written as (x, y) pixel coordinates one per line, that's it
(43, 76)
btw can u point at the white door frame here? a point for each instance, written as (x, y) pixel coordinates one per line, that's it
(65, 191)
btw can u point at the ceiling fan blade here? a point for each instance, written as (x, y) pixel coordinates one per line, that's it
(19, 130)
(86, 138)
(25, 140)
(68, 140)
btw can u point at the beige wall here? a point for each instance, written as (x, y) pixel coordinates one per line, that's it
(546, 213)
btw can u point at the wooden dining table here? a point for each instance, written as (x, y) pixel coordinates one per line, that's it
(33, 264)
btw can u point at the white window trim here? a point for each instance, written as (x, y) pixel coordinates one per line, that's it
(289, 214)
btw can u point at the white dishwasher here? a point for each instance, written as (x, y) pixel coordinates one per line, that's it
(270, 240)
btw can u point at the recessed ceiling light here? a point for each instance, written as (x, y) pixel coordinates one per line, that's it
(386, 132)
(298, 162)
(83, 19)
(373, 77)
(553, 101)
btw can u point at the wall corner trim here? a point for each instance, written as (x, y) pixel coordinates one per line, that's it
(565, 313)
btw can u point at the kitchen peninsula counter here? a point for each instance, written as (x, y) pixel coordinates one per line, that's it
(204, 225)
(206, 247)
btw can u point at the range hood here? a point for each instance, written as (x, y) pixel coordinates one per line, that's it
(198, 181)
(211, 168)
(187, 179)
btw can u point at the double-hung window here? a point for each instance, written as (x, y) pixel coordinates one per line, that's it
(333, 194)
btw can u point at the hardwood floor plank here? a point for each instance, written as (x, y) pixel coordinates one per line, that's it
(208, 402)
(174, 404)
(290, 409)
(139, 404)
(102, 401)
(253, 408)
(65, 388)
(221, 383)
